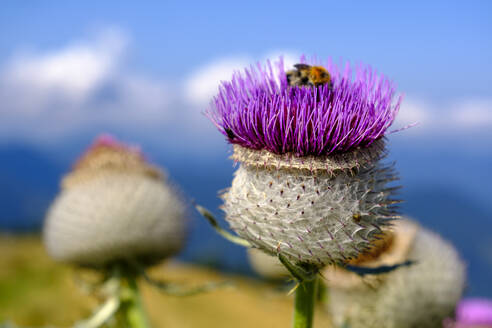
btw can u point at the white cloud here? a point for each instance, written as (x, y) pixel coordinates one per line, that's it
(473, 113)
(84, 85)
(73, 72)
(290, 57)
(203, 84)
(142, 99)
(466, 117)
(413, 111)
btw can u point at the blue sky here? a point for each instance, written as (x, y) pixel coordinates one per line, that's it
(147, 68)
(447, 42)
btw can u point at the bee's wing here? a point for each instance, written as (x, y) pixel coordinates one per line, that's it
(302, 66)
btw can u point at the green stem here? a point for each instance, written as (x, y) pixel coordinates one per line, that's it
(132, 306)
(304, 303)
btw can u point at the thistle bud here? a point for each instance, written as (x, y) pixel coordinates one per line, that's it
(422, 294)
(310, 185)
(114, 206)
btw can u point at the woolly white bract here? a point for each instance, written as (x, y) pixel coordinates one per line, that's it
(113, 207)
(321, 210)
(419, 295)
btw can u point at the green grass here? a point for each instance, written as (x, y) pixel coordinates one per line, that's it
(35, 291)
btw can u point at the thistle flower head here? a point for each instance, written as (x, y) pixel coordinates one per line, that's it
(419, 295)
(310, 185)
(258, 109)
(114, 206)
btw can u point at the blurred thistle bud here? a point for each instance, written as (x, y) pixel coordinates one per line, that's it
(267, 266)
(113, 207)
(310, 185)
(422, 294)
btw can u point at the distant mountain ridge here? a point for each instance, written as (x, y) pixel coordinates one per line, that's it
(28, 183)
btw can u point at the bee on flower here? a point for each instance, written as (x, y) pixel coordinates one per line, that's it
(307, 75)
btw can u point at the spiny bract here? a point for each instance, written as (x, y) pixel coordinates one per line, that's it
(310, 216)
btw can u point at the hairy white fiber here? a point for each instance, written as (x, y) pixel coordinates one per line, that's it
(314, 216)
(420, 295)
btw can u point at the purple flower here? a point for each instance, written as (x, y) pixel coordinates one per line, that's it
(474, 311)
(259, 110)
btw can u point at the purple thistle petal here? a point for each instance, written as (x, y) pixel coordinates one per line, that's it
(262, 111)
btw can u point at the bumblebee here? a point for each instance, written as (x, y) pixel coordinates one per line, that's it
(306, 75)
(230, 134)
